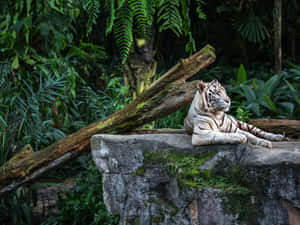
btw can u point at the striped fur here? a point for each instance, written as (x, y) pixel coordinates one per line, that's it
(208, 123)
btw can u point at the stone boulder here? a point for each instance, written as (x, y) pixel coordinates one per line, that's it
(163, 179)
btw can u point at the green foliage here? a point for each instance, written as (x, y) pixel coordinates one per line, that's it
(50, 26)
(135, 18)
(242, 115)
(15, 207)
(169, 17)
(185, 167)
(248, 20)
(92, 8)
(174, 120)
(123, 30)
(85, 204)
(275, 97)
(56, 76)
(140, 13)
(253, 29)
(241, 75)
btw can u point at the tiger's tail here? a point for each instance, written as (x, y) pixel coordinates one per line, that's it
(258, 132)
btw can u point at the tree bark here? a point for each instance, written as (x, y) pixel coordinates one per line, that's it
(291, 128)
(293, 44)
(140, 67)
(164, 96)
(277, 18)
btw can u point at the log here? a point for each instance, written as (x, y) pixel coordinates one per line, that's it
(291, 128)
(166, 95)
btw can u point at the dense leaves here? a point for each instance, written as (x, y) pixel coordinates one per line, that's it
(61, 69)
(274, 97)
(85, 204)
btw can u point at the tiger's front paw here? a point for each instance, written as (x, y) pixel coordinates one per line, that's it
(279, 137)
(267, 144)
(243, 139)
(238, 139)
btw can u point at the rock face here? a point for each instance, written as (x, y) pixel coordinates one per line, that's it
(163, 179)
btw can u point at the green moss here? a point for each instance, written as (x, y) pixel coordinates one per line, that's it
(185, 167)
(101, 125)
(241, 205)
(158, 201)
(156, 219)
(137, 221)
(166, 208)
(162, 214)
(210, 50)
(190, 183)
(134, 221)
(140, 171)
(154, 157)
(141, 105)
(173, 212)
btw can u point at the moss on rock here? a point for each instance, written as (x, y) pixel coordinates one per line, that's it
(185, 167)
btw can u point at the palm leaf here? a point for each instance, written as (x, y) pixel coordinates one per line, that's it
(139, 11)
(169, 17)
(123, 30)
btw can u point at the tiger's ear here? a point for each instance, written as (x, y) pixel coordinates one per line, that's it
(201, 85)
(214, 81)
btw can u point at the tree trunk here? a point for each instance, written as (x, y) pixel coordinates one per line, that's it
(277, 35)
(140, 67)
(293, 44)
(164, 96)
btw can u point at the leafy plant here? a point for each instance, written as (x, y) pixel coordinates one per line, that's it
(130, 18)
(15, 208)
(248, 19)
(242, 115)
(274, 97)
(174, 120)
(85, 204)
(253, 29)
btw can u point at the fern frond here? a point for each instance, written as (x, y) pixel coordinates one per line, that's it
(169, 17)
(123, 30)
(120, 3)
(201, 14)
(253, 29)
(111, 18)
(92, 7)
(139, 10)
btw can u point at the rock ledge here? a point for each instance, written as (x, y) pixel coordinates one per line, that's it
(162, 179)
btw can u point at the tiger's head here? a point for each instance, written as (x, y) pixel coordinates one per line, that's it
(214, 96)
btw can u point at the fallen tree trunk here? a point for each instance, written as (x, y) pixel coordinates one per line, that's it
(166, 95)
(291, 128)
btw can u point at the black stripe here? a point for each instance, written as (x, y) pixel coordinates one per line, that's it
(231, 122)
(200, 128)
(222, 120)
(210, 126)
(249, 128)
(214, 121)
(206, 98)
(230, 127)
(204, 121)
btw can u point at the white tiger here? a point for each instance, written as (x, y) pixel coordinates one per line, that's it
(208, 123)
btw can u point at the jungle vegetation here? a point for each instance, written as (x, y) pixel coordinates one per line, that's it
(65, 64)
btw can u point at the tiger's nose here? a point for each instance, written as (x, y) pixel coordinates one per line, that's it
(227, 100)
